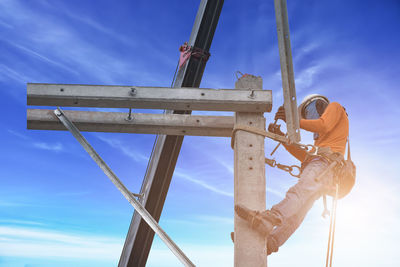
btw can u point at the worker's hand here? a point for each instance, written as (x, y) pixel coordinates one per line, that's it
(275, 128)
(280, 114)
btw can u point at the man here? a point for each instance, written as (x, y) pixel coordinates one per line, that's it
(330, 125)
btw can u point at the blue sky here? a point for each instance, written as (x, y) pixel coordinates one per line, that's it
(57, 208)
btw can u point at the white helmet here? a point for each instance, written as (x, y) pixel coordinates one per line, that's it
(305, 107)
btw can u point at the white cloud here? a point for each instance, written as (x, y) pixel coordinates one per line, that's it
(181, 174)
(17, 134)
(38, 243)
(201, 220)
(9, 73)
(200, 255)
(306, 77)
(133, 154)
(57, 147)
(24, 222)
(41, 57)
(216, 219)
(6, 25)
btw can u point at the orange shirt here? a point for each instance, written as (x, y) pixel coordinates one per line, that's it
(332, 127)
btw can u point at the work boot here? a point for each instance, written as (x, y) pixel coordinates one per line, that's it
(259, 221)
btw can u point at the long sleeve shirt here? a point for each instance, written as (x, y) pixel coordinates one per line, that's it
(332, 128)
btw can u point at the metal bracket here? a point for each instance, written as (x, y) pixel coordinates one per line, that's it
(121, 187)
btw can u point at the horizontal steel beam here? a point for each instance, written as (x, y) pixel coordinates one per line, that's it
(169, 124)
(65, 95)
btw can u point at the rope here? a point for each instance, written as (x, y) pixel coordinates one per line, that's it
(280, 139)
(332, 227)
(309, 149)
(253, 130)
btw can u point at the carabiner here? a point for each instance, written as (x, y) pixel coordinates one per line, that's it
(295, 175)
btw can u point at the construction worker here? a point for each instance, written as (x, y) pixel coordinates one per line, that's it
(330, 125)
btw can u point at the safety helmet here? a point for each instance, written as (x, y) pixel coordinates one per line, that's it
(312, 106)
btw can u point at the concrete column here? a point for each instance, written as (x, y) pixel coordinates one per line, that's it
(249, 181)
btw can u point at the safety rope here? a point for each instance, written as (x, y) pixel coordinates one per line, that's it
(332, 226)
(309, 149)
(253, 130)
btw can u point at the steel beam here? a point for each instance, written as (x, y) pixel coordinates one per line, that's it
(116, 122)
(285, 54)
(67, 95)
(69, 125)
(167, 147)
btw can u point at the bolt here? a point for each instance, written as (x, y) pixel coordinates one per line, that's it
(133, 91)
(252, 95)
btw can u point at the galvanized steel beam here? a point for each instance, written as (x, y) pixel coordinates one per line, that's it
(167, 147)
(74, 95)
(69, 125)
(117, 122)
(285, 54)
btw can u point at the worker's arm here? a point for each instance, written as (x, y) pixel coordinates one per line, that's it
(326, 122)
(294, 150)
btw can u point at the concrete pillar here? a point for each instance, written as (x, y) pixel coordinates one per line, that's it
(250, 248)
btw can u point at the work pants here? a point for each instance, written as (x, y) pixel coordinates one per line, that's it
(298, 201)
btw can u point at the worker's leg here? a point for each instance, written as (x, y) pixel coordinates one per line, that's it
(298, 201)
(305, 190)
(282, 232)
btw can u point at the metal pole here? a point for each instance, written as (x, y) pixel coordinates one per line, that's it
(121, 187)
(285, 55)
(167, 147)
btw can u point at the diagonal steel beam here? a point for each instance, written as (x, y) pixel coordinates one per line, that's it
(122, 188)
(167, 147)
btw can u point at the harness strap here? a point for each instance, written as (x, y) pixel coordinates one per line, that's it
(253, 130)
